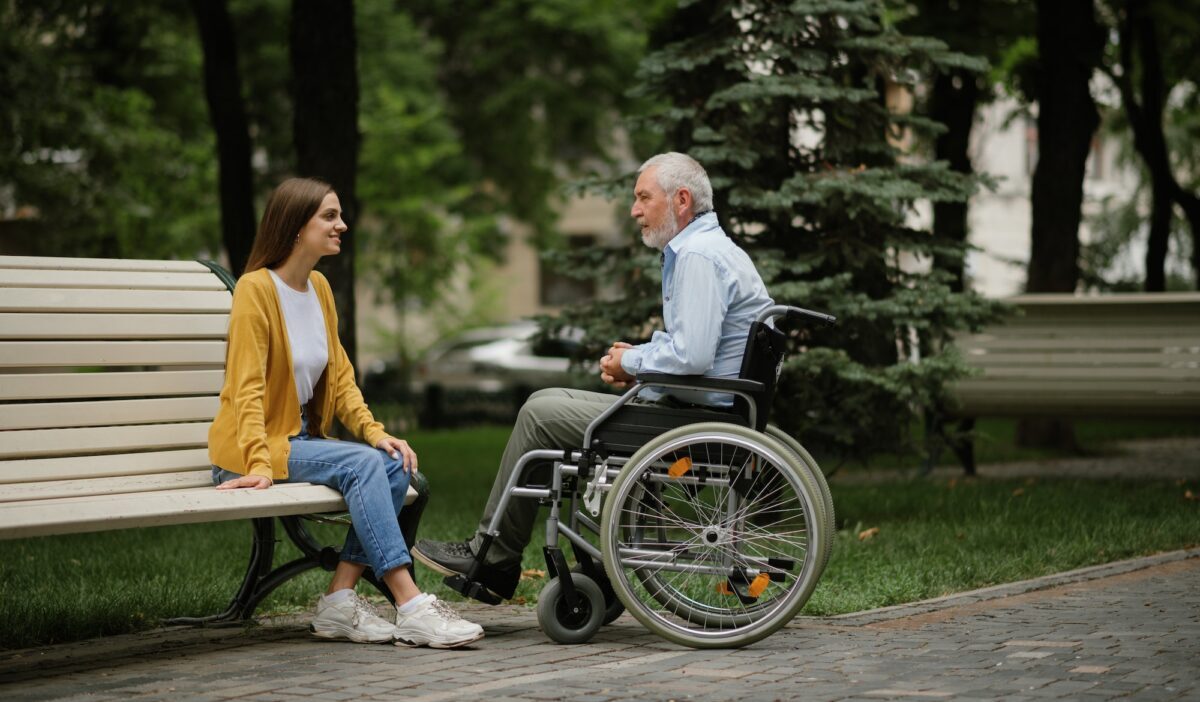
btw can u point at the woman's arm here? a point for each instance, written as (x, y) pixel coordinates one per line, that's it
(245, 374)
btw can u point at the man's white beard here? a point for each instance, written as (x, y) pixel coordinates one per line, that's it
(657, 237)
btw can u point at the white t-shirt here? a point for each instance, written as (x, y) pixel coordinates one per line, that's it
(305, 324)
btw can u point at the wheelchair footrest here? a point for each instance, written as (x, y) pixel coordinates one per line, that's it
(470, 588)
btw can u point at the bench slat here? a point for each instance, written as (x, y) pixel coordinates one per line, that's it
(16, 354)
(1191, 341)
(108, 413)
(57, 386)
(44, 325)
(119, 280)
(29, 470)
(90, 300)
(33, 443)
(53, 490)
(1098, 375)
(100, 264)
(1048, 386)
(1043, 359)
(1073, 405)
(71, 515)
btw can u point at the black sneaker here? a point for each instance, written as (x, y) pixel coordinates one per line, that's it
(456, 558)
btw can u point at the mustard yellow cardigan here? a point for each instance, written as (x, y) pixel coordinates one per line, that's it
(259, 407)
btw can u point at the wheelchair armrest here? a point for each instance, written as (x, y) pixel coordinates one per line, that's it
(700, 382)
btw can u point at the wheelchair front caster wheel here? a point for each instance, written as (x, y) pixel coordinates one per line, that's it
(613, 607)
(568, 624)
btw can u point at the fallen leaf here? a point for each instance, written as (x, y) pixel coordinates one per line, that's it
(1018, 492)
(953, 483)
(532, 574)
(1187, 495)
(519, 600)
(867, 533)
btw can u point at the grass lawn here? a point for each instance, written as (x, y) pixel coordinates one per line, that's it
(934, 538)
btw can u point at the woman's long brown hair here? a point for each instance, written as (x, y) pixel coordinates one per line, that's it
(289, 208)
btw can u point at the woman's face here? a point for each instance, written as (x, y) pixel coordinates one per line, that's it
(322, 235)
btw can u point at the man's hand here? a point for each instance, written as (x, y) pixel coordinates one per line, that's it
(247, 482)
(397, 448)
(611, 371)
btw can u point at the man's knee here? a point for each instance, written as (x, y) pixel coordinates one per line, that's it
(547, 392)
(539, 407)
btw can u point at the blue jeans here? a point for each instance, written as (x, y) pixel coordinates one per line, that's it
(373, 484)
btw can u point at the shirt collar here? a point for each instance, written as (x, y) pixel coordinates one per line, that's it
(703, 221)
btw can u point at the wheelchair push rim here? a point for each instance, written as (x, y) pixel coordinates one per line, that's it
(713, 535)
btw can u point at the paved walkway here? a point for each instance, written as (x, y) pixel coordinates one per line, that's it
(1128, 629)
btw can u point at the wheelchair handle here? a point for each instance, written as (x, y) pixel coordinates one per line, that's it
(793, 313)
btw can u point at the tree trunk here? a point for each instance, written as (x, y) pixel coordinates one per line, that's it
(325, 87)
(222, 88)
(1161, 207)
(1069, 45)
(1191, 210)
(955, 97)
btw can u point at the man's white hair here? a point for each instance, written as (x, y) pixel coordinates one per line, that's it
(675, 171)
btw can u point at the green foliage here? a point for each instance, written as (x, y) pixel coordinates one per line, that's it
(784, 104)
(105, 145)
(534, 89)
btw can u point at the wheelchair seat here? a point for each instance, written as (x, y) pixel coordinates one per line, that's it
(634, 424)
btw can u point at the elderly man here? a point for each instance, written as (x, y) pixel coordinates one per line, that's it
(711, 294)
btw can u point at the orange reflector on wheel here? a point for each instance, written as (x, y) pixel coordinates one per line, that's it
(759, 584)
(680, 467)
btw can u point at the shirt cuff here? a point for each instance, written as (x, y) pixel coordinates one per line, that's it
(631, 361)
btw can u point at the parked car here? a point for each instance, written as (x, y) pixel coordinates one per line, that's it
(486, 373)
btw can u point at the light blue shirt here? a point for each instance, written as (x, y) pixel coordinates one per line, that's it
(711, 294)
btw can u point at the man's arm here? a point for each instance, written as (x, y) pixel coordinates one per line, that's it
(689, 345)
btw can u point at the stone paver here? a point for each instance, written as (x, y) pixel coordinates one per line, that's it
(1124, 630)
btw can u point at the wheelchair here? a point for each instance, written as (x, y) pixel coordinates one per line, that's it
(710, 526)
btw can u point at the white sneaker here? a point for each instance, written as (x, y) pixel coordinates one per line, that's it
(353, 618)
(434, 624)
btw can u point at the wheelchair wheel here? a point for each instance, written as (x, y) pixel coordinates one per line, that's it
(713, 535)
(822, 484)
(612, 606)
(566, 624)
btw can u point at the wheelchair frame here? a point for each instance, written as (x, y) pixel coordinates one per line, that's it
(574, 604)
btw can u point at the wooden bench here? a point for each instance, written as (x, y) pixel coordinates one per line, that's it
(110, 372)
(1069, 356)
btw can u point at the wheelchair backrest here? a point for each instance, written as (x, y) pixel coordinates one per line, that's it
(766, 347)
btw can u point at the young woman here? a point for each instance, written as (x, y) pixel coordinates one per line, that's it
(286, 377)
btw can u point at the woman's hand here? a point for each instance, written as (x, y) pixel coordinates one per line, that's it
(397, 448)
(252, 482)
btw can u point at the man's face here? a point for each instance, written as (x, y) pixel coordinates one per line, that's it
(652, 210)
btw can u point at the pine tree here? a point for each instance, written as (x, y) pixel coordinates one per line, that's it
(785, 104)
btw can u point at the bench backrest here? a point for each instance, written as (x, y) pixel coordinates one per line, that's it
(109, 371)
(1132, 354)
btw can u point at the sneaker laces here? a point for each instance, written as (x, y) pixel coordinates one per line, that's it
(363, 611)
(444, 610)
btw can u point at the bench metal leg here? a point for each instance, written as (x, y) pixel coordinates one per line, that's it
(260, 580)
(262, 553)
